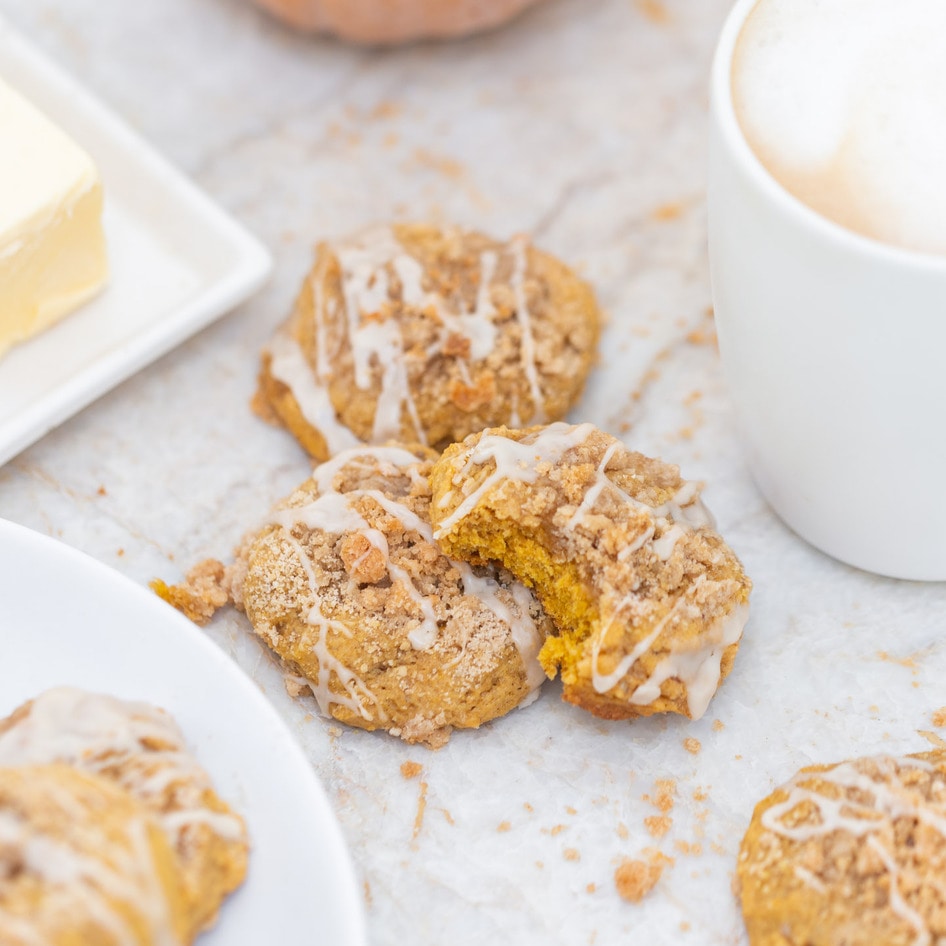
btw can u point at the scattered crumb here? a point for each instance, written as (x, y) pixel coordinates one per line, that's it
(201, 593)
(622, 831)
(700, 794)
(701, 337)
(938, 717)
(933, 738)
(448, 167)
(367, 894)
(666, 212)
(539, 864)
(558, 829)
(718, 725)
(570, 810)
(635, 879)
(120, 553)
(503, 826)
(386, 109)
(591, 888)
(101, 491)
(684, 926)
(447, 816)
(692, 745)
(665, 790)
(908, 662)
(658, 825)
(571, 854)
(411, 769)
(527, 806)
(421, 807)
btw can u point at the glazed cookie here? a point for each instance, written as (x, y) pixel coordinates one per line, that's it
(423, 335)
(82, 864)
(852, 853)
(347, 586)
(648, 600)
(140, 749)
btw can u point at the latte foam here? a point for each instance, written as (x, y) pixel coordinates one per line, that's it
(844, 102)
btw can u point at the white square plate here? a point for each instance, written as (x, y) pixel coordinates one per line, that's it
(177, 261)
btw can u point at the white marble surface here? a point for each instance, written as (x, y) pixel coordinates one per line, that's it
(584, 123)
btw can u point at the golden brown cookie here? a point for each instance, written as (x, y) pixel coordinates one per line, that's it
(347, 586)
(83, 864)
(420, 334)
(140, 749)
(853, 853)
(648, 600)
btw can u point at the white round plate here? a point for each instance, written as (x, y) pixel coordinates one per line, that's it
(67, 619)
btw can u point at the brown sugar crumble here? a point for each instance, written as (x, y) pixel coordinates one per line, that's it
(411, 769)
(718, 725)
(938, 717)
(200, 595)
(503, 826)
(571, 854)
(692, 745)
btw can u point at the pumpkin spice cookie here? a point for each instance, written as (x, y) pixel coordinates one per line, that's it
(852, 853)
(420, 334)
(347, 586)
(82, 862)
(140, 749)
(648, 600)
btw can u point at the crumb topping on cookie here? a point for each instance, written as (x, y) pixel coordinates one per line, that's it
(866, 837)
(416, 332)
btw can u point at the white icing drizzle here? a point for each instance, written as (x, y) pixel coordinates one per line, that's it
(288, 365)
(104, 886)
(594, 491)
(111, 737)
(518, 246)
(859, 819)
(333, 512)
(604, 682)
(378, 340)
(897, 903)
(513, 460)
(808, 878)
(698, 669)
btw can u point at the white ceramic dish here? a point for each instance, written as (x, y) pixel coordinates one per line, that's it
(67, 619)
(177, 261)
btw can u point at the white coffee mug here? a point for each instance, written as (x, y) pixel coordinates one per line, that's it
(834, 349)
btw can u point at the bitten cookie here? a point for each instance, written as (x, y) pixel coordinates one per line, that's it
(853, 853)
(420, 334)
(648, 600)
(140, 749)
(347, 586)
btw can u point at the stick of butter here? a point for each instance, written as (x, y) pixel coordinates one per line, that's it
(52, 247)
